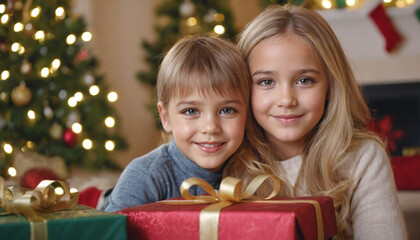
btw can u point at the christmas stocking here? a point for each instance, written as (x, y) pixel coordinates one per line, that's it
(382, 21)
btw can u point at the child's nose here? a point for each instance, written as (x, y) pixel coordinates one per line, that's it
(286, 96)
(209, 125)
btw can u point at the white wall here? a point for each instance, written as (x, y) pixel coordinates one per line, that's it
(365, 46)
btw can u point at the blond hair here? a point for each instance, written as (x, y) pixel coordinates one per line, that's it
(203, 63)
(346, 116)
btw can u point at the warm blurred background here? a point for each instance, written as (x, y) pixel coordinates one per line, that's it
(77, 77)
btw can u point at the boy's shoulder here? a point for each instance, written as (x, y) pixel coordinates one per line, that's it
(157, 157)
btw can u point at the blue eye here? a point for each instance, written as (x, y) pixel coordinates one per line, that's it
(266, 82)
(228, 111)
(305, 81)
(190, 112)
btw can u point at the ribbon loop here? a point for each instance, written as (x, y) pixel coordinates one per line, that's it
(231, 189)
(42, 199)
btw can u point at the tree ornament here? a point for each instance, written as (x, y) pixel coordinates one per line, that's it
(72, 118)
(26, 67)
(88, 79)
(385, 26)
(209, 17)
(56, 131)
(69, 137)
(21, 95)
(48, 112)
(187, 9)
(81, 56)
(3, 47)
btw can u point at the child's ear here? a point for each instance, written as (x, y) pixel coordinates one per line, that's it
(164, 117)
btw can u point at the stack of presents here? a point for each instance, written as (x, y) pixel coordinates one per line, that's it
(52, 211)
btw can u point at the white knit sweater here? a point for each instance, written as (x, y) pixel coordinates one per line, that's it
(375, 212)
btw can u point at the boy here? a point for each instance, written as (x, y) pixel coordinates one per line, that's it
(203, 95)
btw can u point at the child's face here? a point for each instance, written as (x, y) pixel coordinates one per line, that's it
(207, 128)
(289, 91)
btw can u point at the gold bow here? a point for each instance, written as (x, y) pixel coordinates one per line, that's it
(230, 192)
(42, 199)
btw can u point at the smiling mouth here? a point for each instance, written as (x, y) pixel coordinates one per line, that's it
(287, 118)
(210, 147)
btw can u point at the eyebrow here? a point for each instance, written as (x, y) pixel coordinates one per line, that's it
(300, 71)
(196, 102)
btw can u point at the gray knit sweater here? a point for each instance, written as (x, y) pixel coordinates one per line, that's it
(157, 176)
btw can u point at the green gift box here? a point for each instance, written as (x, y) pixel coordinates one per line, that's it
(80, 222)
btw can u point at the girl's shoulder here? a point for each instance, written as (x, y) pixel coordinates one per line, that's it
(368, 154)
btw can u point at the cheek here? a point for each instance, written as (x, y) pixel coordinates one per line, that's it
(316, 106)
(259, 102)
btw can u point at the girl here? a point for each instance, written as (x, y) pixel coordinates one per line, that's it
(313, 122)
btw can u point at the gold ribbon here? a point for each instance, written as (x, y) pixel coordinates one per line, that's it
(230, 192)
(42, 199)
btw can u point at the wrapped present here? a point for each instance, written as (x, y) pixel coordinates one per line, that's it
(50, 212)
(232, 215)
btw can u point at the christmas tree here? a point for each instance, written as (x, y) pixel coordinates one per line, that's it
(52, 100)
(179, 18)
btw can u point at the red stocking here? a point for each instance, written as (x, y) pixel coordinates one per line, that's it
(382, 21)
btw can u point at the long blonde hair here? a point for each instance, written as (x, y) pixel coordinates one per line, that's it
(345, 122)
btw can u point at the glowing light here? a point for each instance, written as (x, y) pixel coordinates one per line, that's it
(60, 13)
(218, 17)
(109, 122)
(12, 171)
(94, 90)
(77, 127)
(59, 191)
(72, 102)
(109, 145)
(112, 96)
(219, 29)
(86, 36)
(400, 3)
(387, 1)
(21, 50)
(2, 8)
(71, 39)
(45, 72)
(18, 27)
(73, 190)
(5, 75)
(30, 144)
(55, 64)
(31, 114)
(87, 144)
(39, 35)
(326, 4)
(35, 12)
(78, 96)
(191, 21)
(350, 3)
(4, 19)
(8, 148)
(15, 47)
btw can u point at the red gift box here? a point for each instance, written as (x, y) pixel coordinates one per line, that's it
(278, 218)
